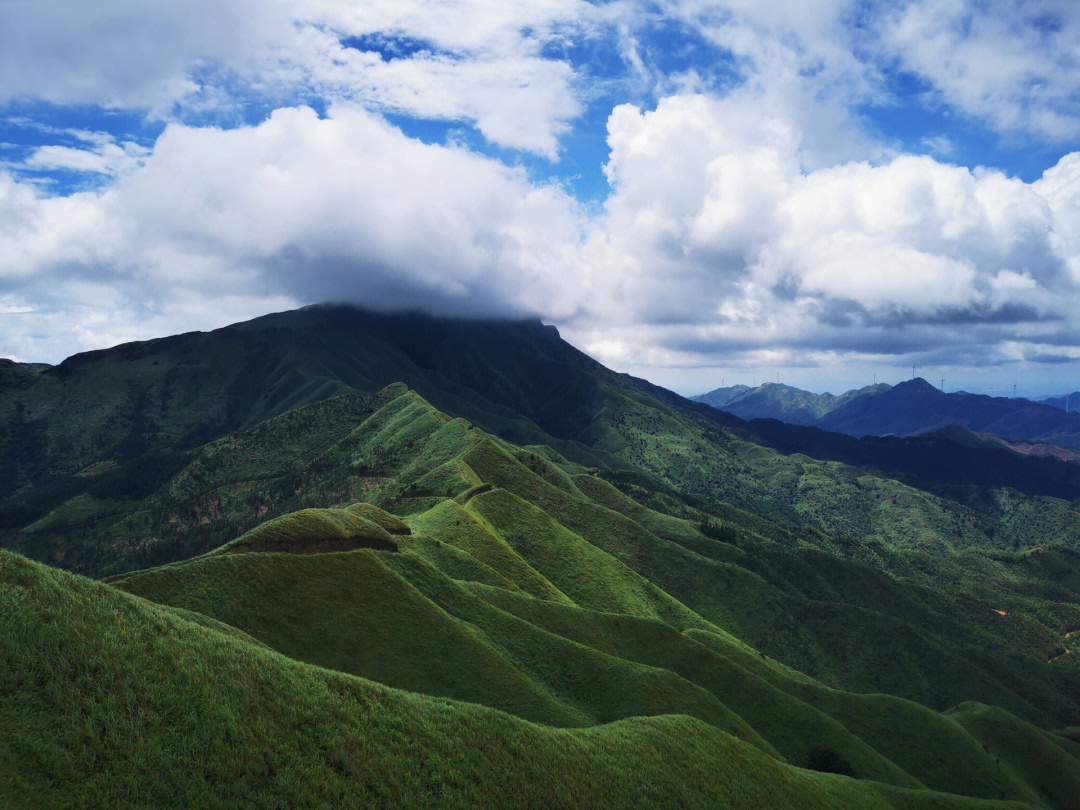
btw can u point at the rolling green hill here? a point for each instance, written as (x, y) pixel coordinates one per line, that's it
(109, 700)
(511, 544)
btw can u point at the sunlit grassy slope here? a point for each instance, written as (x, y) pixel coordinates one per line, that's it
(529, 521)
(598, 649)
(543, 592)
(107, 700)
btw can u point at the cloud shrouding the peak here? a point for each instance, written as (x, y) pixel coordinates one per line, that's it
(298, 210)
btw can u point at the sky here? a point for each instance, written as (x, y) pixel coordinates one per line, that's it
(693, 192)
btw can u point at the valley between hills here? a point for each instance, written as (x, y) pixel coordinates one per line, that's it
(336, 558)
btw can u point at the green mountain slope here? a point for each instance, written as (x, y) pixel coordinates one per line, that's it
(632, 555)
(108, 700)
(554, 528)
(118, 423)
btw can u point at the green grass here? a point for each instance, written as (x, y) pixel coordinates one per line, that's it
(631, 568)
(311, 531)
(118, 702)
(435, 619)
(909, 621)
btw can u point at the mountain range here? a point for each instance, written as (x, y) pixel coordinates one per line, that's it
(334, 557)
(906, 409)
(1067, 402)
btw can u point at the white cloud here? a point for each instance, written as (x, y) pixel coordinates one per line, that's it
(479, 61)
(514, 98)
(47, 236)
(1013, 62)
(126, 53)
(1060, 187)
(295, 210)
(717, 240)
(724, 244)
(762, 225)
(101, 155)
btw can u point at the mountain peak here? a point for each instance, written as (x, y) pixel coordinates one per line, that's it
(916, 385)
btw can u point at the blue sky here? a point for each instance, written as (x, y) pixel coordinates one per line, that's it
(690, 190)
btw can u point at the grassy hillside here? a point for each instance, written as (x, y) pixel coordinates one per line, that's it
(925, 629)
(116, 425)
(109, 700)
(606, 565)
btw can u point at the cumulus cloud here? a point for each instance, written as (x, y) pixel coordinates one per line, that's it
(515, 98)
(99, 154)
(751, 220)
(476, 61)
(717, 240)
(727, 244)
(1012, 62)
(298, 209)
(126, 53)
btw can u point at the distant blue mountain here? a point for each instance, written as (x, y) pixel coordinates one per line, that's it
(910, 408)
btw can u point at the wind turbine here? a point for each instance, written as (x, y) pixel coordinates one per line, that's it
(943, 385)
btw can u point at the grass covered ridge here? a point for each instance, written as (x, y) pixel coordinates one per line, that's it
(118, 702)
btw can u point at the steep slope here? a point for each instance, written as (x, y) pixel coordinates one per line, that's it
(115, 426)
(108, 700)
(104, 407)
(374, 535)
(645, 667)
(434, 624)
(863, 581)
